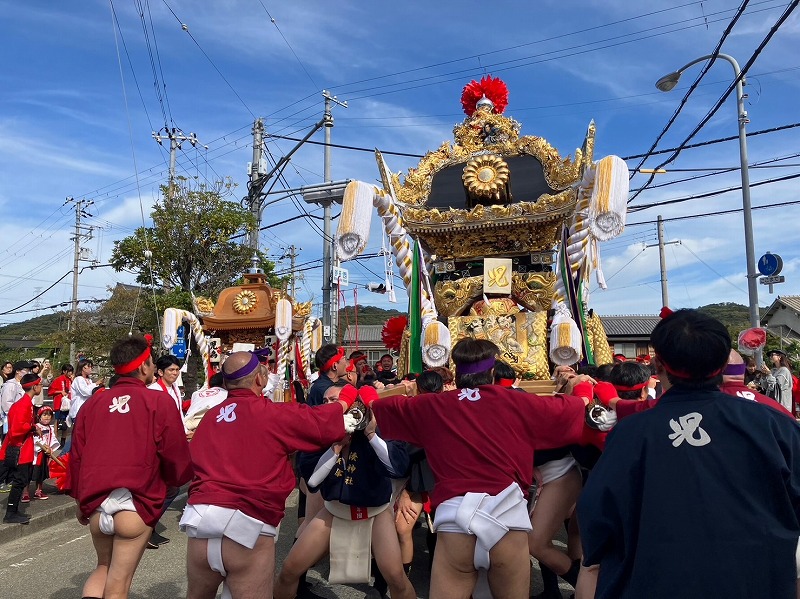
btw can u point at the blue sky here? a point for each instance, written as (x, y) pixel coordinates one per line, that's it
(72, 124)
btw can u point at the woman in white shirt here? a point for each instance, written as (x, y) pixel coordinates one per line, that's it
(82, 387)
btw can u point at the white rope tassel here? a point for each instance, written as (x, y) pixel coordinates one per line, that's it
(169, 327)
(436, 344)
(609, 203)
(283, 319)
(565, 340)
(305, 346)
(316, 335)
(173, 318)
(352, 234)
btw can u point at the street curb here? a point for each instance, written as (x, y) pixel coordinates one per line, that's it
(54, 515)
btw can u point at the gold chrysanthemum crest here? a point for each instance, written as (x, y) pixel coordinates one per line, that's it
(486, 176)
(244, 302)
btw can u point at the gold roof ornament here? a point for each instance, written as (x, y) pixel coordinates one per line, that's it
(492, 190)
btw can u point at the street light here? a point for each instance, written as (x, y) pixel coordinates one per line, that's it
(667, 83)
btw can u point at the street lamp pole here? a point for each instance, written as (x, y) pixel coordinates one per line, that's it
(667, 83)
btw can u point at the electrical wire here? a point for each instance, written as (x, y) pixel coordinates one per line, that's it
(695, 83)
(185, 28)
(773, 30)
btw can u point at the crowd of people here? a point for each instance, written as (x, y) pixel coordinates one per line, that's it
(672, 477)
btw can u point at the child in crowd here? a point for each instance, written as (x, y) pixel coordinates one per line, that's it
(45, 442)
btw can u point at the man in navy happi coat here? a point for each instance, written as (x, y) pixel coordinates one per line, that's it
(700, 495)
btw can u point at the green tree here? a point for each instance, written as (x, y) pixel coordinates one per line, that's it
(191, 244)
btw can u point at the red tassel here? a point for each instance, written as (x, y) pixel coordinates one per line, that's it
(392, 332)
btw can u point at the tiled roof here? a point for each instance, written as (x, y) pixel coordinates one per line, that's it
(636, 325)
(792, 302)
(615, 326)
(367, 333)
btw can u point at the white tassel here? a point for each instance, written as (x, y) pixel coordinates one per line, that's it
(169, 327)
(436, 344)
(566, 345)
(316, 335)
(352, 234)
(609, 204)
(283, 319)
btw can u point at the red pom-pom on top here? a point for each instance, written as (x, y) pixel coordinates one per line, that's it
(149, 338)
(493, 88)
(665, 312)
(392, 332)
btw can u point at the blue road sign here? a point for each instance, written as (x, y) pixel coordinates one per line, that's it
(179, 349)
(770, 264)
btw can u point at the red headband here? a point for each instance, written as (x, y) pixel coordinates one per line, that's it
(638, 387)
(686, 375)
(32, 384)
(505, 382)
(329, 364)
(138, 360)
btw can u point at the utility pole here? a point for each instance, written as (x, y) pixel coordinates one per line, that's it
(255, 173)
(176, 137)
(329, 319)
(662, 260)
(292, 254)
(81, 231)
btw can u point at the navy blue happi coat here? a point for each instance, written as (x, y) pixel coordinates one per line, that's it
(697, 497)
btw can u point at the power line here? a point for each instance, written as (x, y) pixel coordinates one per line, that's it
(185, 28)
(691, 89)
(715, 213)
(773, 30)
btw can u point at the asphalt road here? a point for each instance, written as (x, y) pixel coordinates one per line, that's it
(53, 563)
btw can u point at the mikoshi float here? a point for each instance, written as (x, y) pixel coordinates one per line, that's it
(247, 317)
(496, 237)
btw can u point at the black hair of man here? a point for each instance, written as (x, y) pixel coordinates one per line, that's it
(29, 378)
(113, 380)
(430, 382)
(166, 361)
(629, 374)
(217, 380)
(65, 368)
(469, 351)
(602, 372)
(325, 353)
(503, 371)
(692, 347)
(125, 351)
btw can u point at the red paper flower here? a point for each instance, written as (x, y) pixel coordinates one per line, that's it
(392, 332)
(491, 87)
(752, 338)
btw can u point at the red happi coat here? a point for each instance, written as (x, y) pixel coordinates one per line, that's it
(241, 451)
(128, 437)
(21, 424)
(481, 440)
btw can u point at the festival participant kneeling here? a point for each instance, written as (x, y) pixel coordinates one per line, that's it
(698, 496)
(357, 520)
(243, 476)
(128, 446)
(479, 441)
